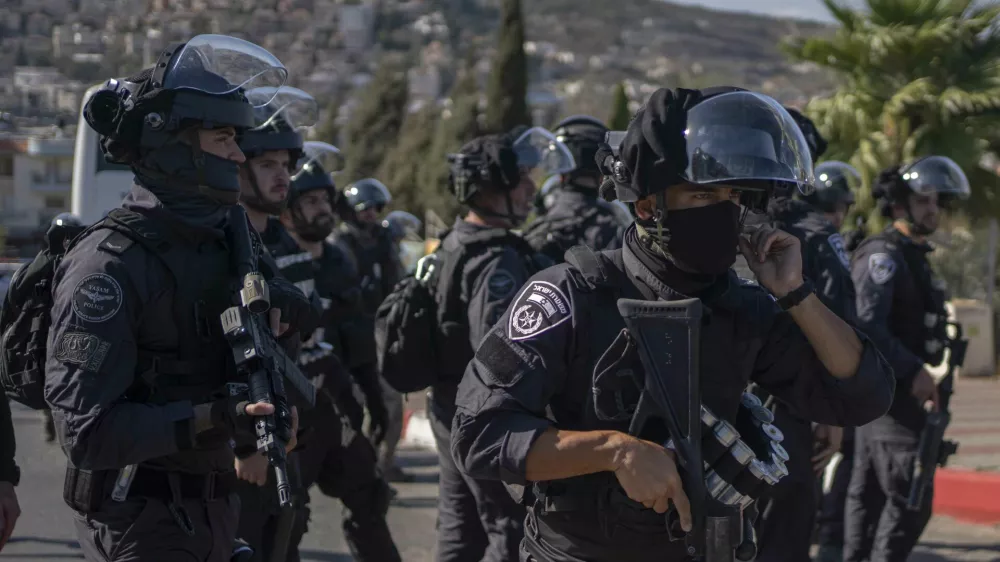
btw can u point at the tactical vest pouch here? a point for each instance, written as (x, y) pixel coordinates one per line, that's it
(83, 490)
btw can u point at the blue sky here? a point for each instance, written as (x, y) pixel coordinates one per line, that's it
(807, 9)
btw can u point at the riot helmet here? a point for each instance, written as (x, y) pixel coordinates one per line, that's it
(367, 194)
(582, 135)
(835, 185)
(279, 114)
(66, 219)
(63, 228)
(929, 175)
(719, 138)
(401, 224)
(150, 121)
(319, 160)
(499, 163)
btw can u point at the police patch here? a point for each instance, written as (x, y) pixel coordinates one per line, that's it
(837, 243)
(86, 350)
(97, 298)
(881, 268)
(501, 284)
(540, 307)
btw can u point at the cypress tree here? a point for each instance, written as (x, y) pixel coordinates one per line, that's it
(620, 115)
(375, 124)
(508, 88)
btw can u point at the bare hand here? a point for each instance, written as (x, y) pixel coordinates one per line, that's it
(10, 510)
(827, 439)
(648, 474)
(277, 326)
(924, 389)
(253, 469)
(775, 258)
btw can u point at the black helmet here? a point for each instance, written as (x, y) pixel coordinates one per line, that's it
(720, 136)
(835, 185)
(366, 194)
(282, 112)
(314, 173)
(66, 219)
(400, 224)
(930, 174)
(200, 83)
(582, 135)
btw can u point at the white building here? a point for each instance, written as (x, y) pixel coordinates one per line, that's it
(36, 175)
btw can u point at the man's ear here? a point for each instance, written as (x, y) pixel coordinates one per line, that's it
(644, 208)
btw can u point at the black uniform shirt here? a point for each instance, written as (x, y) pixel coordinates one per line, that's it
(535, 370)
(900, 305)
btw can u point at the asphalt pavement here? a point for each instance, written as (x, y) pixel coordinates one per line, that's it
(45, 530)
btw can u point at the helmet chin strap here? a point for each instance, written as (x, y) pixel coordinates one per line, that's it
(258, 202)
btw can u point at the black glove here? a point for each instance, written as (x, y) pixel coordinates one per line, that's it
(230, 415)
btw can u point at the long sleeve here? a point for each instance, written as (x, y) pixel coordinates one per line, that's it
(91, 363)
(517, 369)
(8, 444)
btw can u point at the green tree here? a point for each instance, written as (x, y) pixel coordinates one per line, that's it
(620, 115)
(403, 165)
(918, 77)
(508, 87)
(459, 125)
(375, 123)
(328, 130)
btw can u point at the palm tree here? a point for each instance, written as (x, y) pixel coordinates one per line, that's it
(918, 77)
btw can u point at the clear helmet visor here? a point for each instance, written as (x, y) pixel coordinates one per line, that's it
(936, 174)
(622, 213)
(287, 105)
(219, 65)
(539, 154)
(550, 185)
(318, 156)
(748, 140)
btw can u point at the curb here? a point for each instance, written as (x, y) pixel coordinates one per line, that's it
(968, 495)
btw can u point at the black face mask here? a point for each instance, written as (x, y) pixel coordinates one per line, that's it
(701, 239)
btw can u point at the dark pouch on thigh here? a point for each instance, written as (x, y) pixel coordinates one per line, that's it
(83, 490)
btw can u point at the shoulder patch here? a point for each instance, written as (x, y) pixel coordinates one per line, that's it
(97, 298)
(501, 284)
(80, 348)
(840, 248)
(881, 268)
(116, 243)
(540, 307)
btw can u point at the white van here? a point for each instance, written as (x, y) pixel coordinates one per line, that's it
(98, 186)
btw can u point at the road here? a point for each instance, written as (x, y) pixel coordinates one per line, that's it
(45, 530)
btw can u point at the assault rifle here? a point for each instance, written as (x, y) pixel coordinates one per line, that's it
(723, 470)
(934, 448)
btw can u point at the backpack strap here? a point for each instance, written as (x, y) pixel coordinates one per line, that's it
(585, 260)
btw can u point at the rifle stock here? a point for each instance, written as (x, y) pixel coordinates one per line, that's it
(934, 449)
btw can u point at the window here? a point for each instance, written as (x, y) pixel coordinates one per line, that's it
(6, 165)
(55, 203)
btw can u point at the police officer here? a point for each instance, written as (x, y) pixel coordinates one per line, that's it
(901, 306)
(788, 515)
(532, 407)
(335, 455)
(576, 215)
(479, 520)
(834, 196)
(136, 355)
(376, 258)
(272, 150)
(546, 196)
(401, 225)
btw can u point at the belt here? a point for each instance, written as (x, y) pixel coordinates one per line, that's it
(154, 483)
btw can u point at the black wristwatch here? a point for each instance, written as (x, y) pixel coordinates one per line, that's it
(797, 296)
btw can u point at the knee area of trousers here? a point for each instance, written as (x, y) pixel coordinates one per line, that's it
(370, 502)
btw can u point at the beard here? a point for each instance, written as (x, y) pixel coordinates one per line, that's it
(317, 229)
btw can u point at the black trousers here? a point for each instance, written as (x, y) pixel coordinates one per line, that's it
(831, 513)
(477, 519)
(341, 462)
(144, 529)
(878, 527)
(787, 516)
